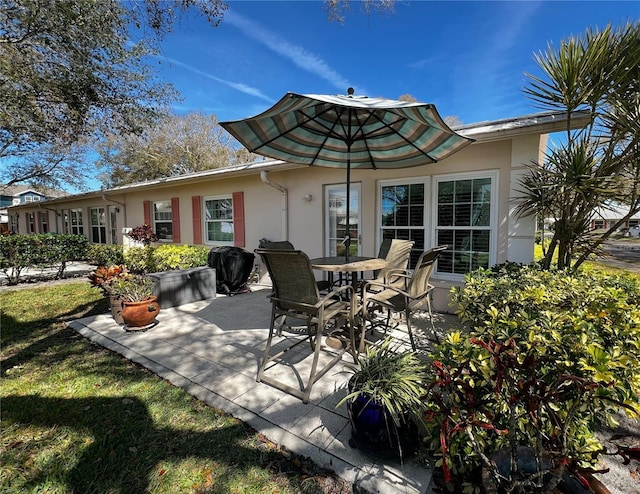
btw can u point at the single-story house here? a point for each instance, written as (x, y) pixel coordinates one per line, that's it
(605, 218)
(464, 201)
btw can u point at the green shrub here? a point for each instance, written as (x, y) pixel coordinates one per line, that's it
(168, 257)
(18, 252)
(549, 358)
(105, 255)
(140, 260)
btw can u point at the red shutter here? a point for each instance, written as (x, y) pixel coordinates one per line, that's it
(146, 205)
(196, 214)
(175, 219)
(238, 219)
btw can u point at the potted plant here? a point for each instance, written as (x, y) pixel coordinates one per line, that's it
(384, 400)
(102, 277)
(140, 306)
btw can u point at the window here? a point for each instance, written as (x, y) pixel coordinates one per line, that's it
(218, 220)
(403, 215)
(44, 225)
(98, 219)
(77, 225)
(14, 223)
(163, 220)
(598, 224)
(336, 219)
(113, 221)
(31, 222)
(464, 221)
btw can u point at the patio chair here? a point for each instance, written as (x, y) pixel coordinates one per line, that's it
(396, 252)
(264, 243)
(296, 295)
(395, 298)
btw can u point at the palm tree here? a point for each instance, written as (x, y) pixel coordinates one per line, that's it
(594, 166)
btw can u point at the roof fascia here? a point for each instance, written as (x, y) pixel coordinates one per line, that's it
(540, 123)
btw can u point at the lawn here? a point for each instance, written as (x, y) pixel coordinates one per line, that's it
(77, 418)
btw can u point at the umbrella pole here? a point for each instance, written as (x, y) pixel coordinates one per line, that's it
(347, 238)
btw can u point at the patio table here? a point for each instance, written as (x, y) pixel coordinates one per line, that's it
(356, 264)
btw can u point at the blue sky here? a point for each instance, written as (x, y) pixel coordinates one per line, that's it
(468, 58)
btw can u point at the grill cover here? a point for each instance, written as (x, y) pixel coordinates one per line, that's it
(233, 267)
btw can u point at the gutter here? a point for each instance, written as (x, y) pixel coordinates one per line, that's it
(285, 200)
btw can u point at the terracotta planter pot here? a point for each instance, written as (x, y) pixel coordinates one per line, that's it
(140, 315)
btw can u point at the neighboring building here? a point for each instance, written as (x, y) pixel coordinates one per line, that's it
(605, 218)
(13, 195)
(464, 201)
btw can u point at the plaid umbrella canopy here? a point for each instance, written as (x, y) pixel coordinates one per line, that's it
(348, 132)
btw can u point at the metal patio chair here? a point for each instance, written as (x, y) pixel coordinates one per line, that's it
(397, 253)
(410, 295)
(296, 295)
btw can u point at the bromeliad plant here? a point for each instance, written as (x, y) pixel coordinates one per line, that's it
(550, 357)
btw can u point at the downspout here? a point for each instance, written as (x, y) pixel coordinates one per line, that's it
(285, 200)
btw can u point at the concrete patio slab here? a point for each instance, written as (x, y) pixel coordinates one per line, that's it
(213, 350)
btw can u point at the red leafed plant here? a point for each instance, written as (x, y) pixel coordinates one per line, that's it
(143, 234)
(103, 276)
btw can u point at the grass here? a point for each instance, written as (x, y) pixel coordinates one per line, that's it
(77, 418)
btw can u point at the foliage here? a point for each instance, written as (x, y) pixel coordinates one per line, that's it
(175, 145)
(597, 166)
(549, 357)
(143, 234)
(140, 260)
(105, 254)
(337, 9)
(19, 252)
(70, 70)
(69, 405)
(103, 276)
(391, 377)
(129, 288)
(165, 257)
(168, 257)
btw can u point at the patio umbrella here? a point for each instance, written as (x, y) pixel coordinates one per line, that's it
(348, 132)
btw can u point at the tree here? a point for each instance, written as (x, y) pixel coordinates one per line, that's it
(174, 146)
(598, 165)
(336, 9)
(68, 69)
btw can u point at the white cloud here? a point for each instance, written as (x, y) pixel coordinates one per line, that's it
(238, 86)
(298, 55)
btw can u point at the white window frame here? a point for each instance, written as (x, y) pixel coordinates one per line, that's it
(205, 221)
(493, 175)
(76, 214)
(44, 223)
(161, 221)
(426, 220)
(31, 222)
(102, 227)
